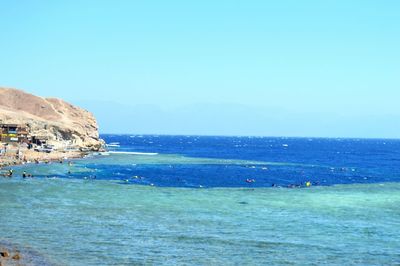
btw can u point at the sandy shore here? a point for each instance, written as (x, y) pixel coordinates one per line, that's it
(15, 156)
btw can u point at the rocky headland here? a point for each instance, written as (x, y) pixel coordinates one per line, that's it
(70, 131)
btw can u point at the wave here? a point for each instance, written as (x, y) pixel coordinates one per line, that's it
(133, 152)
(113, 144)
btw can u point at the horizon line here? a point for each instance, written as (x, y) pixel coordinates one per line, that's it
(251, 136)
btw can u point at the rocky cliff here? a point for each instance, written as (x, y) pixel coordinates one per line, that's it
(62, 123)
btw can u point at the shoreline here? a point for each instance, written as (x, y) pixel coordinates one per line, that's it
(35, 157)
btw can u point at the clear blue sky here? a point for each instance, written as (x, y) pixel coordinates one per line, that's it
(274, 68)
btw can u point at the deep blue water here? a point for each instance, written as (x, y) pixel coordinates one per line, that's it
(279, 161)
(194, 161)
(136, 212)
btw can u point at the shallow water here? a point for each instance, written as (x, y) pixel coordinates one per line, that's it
(177, 200)
(78, 222)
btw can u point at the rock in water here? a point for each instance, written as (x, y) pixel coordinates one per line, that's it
(16, 256)
(62, 123)
(4, 254)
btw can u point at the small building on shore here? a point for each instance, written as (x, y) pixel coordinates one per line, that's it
(14, 133)
(40, 140)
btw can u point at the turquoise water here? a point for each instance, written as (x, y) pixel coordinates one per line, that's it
(93, 222)
(185, 200)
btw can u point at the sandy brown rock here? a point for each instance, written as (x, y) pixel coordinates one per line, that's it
(16, 256)
(63, 123)
(22, 256)
(4, 254)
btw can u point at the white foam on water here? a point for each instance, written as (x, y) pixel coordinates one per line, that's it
(113, 144)
(133, 152)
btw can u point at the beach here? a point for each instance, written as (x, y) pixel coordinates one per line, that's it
(17, 154)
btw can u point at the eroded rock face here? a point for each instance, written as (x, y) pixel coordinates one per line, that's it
(62, 123)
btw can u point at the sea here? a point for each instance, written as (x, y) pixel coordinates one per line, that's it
(210, 200)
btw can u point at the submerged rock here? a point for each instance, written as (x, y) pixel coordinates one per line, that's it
(13, 255)
(4, 254)
(16, 256)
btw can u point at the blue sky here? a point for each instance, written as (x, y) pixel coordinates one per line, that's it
(272, 68)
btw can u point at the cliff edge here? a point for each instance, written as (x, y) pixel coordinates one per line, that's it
(63, 124)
